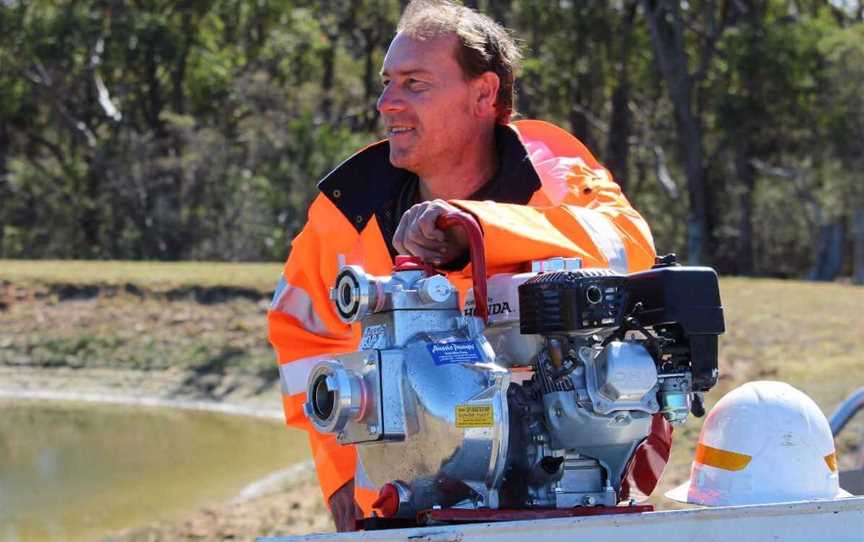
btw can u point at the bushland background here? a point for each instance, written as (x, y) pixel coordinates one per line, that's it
(196, 130)
(175, 130)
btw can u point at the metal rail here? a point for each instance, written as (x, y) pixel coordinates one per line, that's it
(846, 411)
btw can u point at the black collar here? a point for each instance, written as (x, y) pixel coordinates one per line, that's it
(366, 183)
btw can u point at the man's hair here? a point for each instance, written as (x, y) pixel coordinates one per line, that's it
(484, 44)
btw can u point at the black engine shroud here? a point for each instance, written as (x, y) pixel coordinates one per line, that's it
(681, 304)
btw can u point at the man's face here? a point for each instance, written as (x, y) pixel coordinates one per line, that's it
(426, 104)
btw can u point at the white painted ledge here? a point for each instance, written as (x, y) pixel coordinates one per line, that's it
(839, 520)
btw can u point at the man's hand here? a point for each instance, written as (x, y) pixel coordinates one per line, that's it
(418, 236)
(344, 508)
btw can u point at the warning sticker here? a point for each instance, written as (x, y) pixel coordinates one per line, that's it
(473, 416)
(454, 352)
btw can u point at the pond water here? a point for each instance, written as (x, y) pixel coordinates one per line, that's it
(72, 471)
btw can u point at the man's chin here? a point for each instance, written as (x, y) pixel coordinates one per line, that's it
(399, 159)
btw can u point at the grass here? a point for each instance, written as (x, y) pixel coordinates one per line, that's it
(150, 276)
(808, 334)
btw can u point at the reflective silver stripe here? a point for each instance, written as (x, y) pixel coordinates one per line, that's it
(280, 289)
(361, 479)
(605, 236)
(294, 301)
(295, 374)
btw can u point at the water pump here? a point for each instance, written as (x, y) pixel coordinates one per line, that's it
(534, 395)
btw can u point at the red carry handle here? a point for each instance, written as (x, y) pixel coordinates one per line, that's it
(477, 253)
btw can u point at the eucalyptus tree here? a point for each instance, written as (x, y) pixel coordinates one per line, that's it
(843, 102)
(684, 36)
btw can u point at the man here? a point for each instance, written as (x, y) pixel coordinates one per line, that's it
(447, 98)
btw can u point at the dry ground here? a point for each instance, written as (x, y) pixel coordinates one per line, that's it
(208, 342)
(297, 509)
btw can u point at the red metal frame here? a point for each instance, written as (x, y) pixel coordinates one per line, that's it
(458, 515)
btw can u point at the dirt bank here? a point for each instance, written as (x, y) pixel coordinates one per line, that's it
(296, 509)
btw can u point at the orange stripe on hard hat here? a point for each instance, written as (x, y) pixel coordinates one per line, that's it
(831, 461)
(721, 459)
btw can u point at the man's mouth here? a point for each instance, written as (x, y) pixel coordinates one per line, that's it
(396, 130)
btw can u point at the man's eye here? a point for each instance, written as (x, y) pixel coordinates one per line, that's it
(415, 84)
(385, 82)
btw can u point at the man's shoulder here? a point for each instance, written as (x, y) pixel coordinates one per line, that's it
(555, 141)
(363, 183)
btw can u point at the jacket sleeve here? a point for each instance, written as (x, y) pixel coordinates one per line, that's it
(579, 212)
(303, 329)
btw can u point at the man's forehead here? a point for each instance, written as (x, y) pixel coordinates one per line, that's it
(408, 55)
(403, 71)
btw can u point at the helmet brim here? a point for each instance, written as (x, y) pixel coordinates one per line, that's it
(680, 494)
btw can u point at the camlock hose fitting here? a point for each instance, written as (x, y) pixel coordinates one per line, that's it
(335, 396)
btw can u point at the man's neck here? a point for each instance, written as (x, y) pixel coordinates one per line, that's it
(467, 173)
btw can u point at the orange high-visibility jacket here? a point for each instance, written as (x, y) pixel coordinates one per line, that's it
(561, 202)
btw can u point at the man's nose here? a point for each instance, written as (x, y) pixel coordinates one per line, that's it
(389, 101)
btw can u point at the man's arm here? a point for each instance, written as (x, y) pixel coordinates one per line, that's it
(303, 328)
(591, 220)
(580, 212)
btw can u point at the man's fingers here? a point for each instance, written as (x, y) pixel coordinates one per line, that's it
(398, 245)
(425, 223)
(428, 254)
(402, 229)
(344, 508)
(418, 235)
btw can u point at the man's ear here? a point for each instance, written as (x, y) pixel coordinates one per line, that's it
(485, 89)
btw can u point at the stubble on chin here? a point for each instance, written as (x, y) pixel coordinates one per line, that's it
(400, 158)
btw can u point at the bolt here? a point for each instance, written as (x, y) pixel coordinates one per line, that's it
(589, 500)
(372, 428)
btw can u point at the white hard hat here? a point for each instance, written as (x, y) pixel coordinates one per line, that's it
(762, 442)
